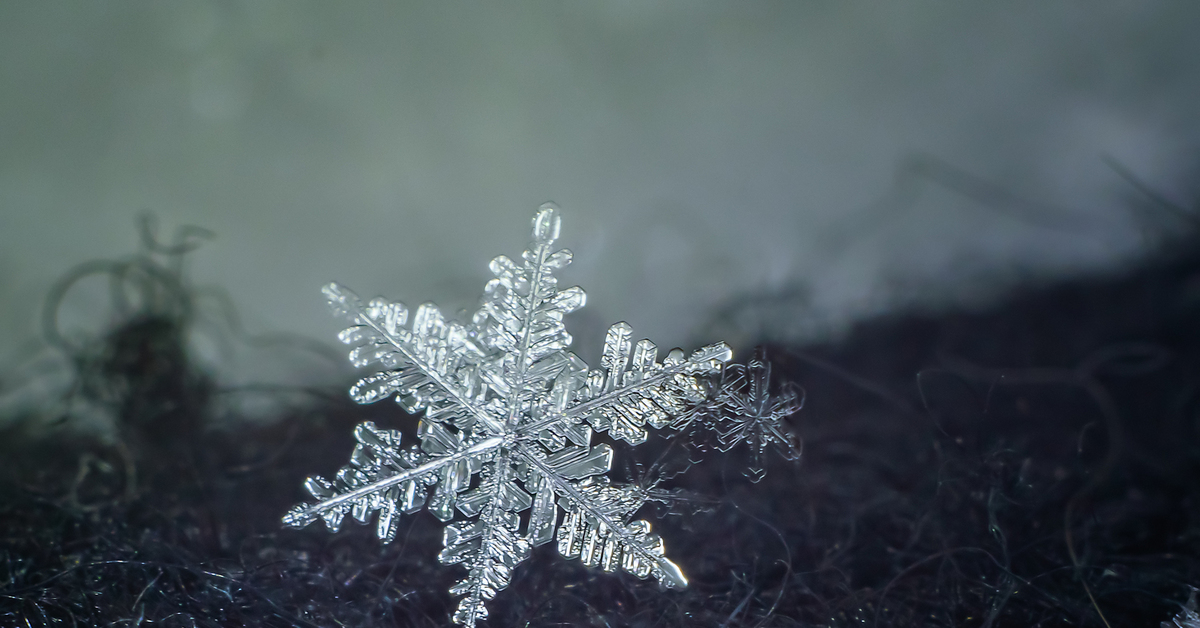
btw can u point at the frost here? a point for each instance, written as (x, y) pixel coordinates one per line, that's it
(506, 453)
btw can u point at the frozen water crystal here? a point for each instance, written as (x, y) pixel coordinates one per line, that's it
(746, 412)
(507, 427)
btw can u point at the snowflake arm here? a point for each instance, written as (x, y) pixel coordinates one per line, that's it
(630, 393)
(382, 477)
(490, 545)
(424, 361)
(596, 520)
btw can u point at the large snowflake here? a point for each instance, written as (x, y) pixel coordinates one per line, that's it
(506, 451)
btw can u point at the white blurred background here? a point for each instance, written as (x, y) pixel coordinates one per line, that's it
(726, 170)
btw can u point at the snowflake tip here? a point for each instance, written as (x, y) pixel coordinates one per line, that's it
(546, 224)
(299, 517)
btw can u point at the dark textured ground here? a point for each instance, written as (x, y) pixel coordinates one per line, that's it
(952, 465)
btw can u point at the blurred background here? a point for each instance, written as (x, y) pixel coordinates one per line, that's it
(774, 170)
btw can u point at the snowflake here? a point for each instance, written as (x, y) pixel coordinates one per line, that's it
(748, 413)
(506, 452)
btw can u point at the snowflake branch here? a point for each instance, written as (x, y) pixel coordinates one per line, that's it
(545, 230)
(667, 572)
(335, 292)
(490, 567)
(695, 363)
(303, 515)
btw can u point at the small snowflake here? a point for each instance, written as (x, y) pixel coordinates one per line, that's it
(748, 413)
(508, 426)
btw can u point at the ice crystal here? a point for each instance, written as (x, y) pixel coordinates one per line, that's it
(506, 453)
(747, 412)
